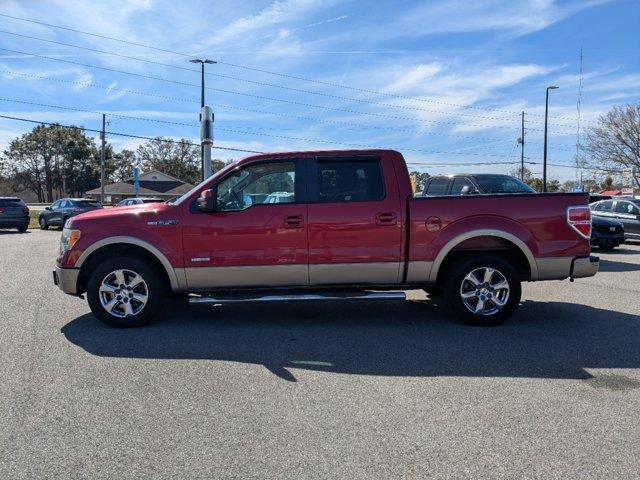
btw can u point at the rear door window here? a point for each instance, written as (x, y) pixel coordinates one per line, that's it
(349, 181)
(605, 206)
(437, 186)
(626, 208)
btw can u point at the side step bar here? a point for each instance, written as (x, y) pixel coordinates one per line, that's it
(297, 297)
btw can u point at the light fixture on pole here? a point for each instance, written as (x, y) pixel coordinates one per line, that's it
(202, 62)
(544, 157)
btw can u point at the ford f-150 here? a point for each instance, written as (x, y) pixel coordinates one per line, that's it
(326, 225)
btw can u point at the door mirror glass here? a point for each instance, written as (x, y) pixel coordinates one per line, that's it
(47, 208)
(465, 190)
(207, 200)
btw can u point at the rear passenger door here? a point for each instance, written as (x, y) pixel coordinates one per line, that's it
(354, 221)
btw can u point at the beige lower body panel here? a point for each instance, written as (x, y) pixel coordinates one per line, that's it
(382, 273)
(253, 276)
(419, 271)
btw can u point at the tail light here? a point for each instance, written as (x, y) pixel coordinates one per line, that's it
(579, 218)
(25, 210)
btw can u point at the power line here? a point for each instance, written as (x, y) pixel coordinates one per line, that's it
(120, 134)
(254, 82)
(285, 137)
(254, 69)
(252, 95)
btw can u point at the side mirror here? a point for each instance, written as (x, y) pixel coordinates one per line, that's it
(47, 208)
(465, 190)
(207, 200)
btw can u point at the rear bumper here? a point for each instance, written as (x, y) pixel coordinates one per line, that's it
(66, 279)
(9, 222)
(584, 267)
(559, 268)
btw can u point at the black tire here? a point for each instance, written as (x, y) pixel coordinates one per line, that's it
(434, 292)
(607, 247)
(457, 281)
(22, 228)
(43, 223)
(155, 290)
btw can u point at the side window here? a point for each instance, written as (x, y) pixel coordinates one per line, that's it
(605, 206)
(349, 181)
(626, 207)
(438, 186)
(56, 205)
(261, 183)
(459, 183)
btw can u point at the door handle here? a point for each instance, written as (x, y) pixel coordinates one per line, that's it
(387, 218)
(294, 221)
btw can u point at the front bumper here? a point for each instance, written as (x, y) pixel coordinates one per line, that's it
(66, 279)
(582, 267)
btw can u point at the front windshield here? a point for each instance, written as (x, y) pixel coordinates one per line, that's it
(502, 184)
(199, 186)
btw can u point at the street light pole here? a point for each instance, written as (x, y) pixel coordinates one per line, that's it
(202, 62)
(544, 156)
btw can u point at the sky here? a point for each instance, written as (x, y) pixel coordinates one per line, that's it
(444, 82)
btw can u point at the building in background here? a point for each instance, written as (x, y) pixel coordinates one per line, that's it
(152, 184)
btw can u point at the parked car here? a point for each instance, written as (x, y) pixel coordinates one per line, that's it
(624, 209)
(474, 184)
(61, 210)
(353, 231)
(14, 213)
(606, 233)
(138, 201)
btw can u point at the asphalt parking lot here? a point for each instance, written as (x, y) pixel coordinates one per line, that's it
(346, 390)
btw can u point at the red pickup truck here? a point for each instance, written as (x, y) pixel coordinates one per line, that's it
(322, 225)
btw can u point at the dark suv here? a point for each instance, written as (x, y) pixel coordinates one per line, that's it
(624, 209)
(474, 184)
(14, 213)
(63, 209)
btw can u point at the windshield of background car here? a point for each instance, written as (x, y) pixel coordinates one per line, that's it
(502, 184)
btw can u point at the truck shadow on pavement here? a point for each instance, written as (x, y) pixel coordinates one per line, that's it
(412, 338)
(613, 266)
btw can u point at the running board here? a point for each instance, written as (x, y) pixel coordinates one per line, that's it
(298, 297)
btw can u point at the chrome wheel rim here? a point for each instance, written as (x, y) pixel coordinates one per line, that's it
(123, 293)
(484, 291)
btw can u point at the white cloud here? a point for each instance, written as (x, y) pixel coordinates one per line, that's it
(517, 17)
(84, 81)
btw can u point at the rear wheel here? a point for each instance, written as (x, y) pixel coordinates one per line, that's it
(125, 292)
(22, 228)
(483, 290)
(43, 223)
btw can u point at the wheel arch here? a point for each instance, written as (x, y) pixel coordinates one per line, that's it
(502, 241)
(122, 245)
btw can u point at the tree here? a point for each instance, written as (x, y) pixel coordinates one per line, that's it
(52, 161)
(122, 165)
(421, 179)
(615, 140)
(521, 172)
(217, 164)
(180, 159)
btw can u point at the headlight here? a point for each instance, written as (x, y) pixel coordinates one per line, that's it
(68, 239)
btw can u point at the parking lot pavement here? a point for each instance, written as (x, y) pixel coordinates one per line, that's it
(342, 390)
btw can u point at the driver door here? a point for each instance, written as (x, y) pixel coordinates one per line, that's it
(257, 237)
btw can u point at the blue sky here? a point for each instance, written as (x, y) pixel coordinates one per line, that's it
(455, 74)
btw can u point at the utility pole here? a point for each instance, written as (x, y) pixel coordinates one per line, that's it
(544, 158)
(102, 138)
(202, 62)
(521, 141)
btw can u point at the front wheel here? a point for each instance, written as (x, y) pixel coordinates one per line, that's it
(483, 290)
(125, 292)
(43, 223)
